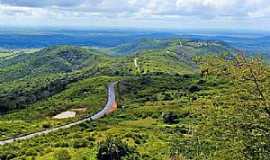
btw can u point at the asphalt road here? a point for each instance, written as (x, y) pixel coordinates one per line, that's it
(110, 103)
(109, 107)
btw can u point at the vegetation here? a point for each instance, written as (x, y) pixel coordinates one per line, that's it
(113, 149)
(169, 107)
(62, 155)
(5, 54)
(139, 46)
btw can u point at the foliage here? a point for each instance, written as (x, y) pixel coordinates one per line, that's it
(62, 155)
(167, 110)
(170, 118)
(113, 149)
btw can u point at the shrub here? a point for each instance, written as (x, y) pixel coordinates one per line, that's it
(89, 126)
(201, 81)
(31, 152)
(194, 88)
(80, 143)
(137, 137)
(46, 126)
(62, 155)
(61, 144)
(167, 97)
(170, 118)
(7, 155)
(181, 130)
(113, 149)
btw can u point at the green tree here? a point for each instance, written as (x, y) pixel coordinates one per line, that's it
(113, 149)
(242, 115)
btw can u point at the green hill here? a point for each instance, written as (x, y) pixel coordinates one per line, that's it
(139, 46)
(30, 77)
(167, 109)
(50, 60)
(195, 47)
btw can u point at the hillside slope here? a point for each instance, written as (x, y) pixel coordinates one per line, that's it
(194, 47)
(50, 60)
(30, 77)
(167, 109)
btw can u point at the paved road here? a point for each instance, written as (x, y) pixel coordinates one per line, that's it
(109, 107)
(111, 103)
(136, 62)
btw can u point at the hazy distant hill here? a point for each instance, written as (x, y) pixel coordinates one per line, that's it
(191, 47)
(128, 41)
(252, 44)
(80, 38)
(138, 46)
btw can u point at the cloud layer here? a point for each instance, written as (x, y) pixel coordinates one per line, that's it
(122, 12)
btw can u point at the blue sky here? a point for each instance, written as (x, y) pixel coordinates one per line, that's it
(174, 14)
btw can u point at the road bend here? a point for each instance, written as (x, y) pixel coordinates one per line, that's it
(110, 107)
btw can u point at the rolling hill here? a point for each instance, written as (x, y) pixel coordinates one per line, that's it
(166, 108)
(62, 59)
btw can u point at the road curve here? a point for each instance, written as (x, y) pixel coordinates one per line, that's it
(109, 108)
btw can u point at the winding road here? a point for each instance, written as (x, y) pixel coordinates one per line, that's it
(110, 107)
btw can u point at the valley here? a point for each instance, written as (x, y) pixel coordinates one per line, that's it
(134, 80)
(163, 105)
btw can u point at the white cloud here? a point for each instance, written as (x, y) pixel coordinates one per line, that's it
(218, 12)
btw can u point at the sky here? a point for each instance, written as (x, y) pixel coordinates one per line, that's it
(171, 14)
